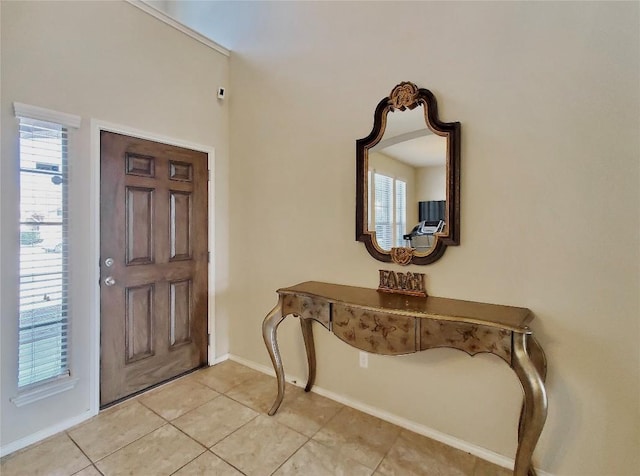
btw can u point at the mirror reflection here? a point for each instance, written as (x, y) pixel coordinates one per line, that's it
(408, 180)
(407, 183)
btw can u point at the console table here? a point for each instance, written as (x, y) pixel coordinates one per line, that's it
(395, 324)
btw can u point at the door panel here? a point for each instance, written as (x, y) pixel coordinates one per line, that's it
(180, 314)
(139, 229)
(153, 221)
(180, 226)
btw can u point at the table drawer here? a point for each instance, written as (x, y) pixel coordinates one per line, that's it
(375, 332)
(307, 308)
(472, 338)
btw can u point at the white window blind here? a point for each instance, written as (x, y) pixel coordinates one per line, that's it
(390, 210)
(384, 210)
(370, 186)
(43, 317)
(400, 220)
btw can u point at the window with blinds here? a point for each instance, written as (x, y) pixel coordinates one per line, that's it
(400, 219)
(390, 210)
(383, 210)
(43, 324)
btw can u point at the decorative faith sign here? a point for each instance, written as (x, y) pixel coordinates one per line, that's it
(408, 283)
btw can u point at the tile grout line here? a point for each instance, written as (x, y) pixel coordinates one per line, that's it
(233, 386)
(169, 422)
(259, 413)
(228, 462)
(192, 439)
(185, 413)
(234, 431)
(291, 455)
(387, 452)
(327, 423)
(230, 388)
(143, 436)
(226, 394)
(133, 400)
(152, 388)
(82, 451)
(128, 444)
(206, 448)
(311, 438)
(301, 395)
(373, 470)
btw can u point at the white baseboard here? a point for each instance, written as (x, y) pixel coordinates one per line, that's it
(222, 358)
(45, 433)
(449, 440)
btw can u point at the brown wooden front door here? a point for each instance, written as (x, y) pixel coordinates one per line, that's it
(153, 289)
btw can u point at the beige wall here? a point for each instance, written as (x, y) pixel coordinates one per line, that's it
(547, 94)
(112, 62)
(431, 183)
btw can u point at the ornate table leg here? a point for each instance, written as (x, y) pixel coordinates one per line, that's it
(529, 364)
(269, 328)
(307, 335)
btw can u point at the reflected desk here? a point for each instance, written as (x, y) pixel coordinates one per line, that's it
(395, 324)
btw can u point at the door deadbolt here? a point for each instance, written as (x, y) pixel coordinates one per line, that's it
(108, 262)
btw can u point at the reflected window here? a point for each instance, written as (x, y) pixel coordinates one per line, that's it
(388, 210)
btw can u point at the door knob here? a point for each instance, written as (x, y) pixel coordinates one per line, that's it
(109, 281)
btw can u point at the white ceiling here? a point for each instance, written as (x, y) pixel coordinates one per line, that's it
(408, 139)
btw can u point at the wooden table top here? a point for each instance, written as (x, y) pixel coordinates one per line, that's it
(431, 307)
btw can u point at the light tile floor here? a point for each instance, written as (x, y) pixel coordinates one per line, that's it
(214, 422)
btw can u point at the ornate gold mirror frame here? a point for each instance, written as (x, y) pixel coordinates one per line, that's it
(407, 96)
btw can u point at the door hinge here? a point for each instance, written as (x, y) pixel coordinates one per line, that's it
(209, 175)
(208, 339)
(208, 256)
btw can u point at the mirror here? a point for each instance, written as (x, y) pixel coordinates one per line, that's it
(408, 186)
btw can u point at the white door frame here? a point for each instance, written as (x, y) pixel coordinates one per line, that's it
(94, 239)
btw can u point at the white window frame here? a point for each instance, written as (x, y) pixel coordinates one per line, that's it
(47, 388)
(396, 238)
